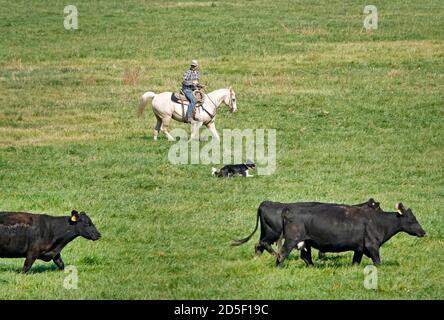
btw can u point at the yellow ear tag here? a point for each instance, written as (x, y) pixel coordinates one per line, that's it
(73, 218)
(400, 212)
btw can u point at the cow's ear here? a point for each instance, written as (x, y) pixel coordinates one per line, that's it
(74, 216)
(373, 204)
(400, 208)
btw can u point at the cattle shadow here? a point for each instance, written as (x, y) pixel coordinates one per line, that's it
(42, 268)
(330, 258)
(37, 269)
(337, 261)
(328, 261)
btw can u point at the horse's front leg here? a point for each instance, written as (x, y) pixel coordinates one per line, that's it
(195, 126)
(212, 127)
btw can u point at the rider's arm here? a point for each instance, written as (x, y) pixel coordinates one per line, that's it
(188, 78)
(195, 78)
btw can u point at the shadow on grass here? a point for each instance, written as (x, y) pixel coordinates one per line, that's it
(41, 268)
(329, 261)
(143, 137)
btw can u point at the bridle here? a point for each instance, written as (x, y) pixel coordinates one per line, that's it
(230, 104)
(231, 100)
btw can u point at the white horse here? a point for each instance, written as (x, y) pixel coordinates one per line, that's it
(165, 109)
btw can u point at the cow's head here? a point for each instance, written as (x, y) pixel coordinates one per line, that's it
(408, 220)
(84, 226)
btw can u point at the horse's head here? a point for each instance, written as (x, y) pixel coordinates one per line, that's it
(230, 100)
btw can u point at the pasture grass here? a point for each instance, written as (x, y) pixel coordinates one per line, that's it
(358, 114)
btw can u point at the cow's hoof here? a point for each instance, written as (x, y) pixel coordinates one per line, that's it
(258, 251)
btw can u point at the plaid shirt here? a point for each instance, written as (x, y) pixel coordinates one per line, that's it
(189, 76)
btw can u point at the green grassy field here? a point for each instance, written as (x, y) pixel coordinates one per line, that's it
(358, 114)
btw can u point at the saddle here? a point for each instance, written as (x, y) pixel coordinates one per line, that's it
(179, 97)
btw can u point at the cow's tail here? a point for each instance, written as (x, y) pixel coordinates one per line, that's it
(143, 101)
(242, 241)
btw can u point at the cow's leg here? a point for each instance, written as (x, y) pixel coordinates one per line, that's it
(259, 249)
(157, 127)
(59, 262)
(373, 253)
(279, 242)
(165, 128)
(212, 127)
(285, 251)
(306, 255)
(357, 257)
(321, 255)
(29, 261)
(267, 246)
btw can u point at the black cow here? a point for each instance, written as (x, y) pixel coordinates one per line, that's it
(40, 236)
(343, 228)
(270, 215)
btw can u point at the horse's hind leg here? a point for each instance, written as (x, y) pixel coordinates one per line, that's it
(165, 127)
(157, 127)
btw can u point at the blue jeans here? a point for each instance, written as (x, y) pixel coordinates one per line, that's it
(189, 94)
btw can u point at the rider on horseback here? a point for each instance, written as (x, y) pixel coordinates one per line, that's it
(190, 83)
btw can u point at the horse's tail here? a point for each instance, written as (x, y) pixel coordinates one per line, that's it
(143, 101)
(242, 241)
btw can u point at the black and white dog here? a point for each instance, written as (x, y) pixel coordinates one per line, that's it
(231, 170)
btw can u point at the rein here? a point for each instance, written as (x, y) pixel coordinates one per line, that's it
(215, 107)
(211, 115)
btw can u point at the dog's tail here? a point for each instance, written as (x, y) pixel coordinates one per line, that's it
(242, 241)
(214, 171)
